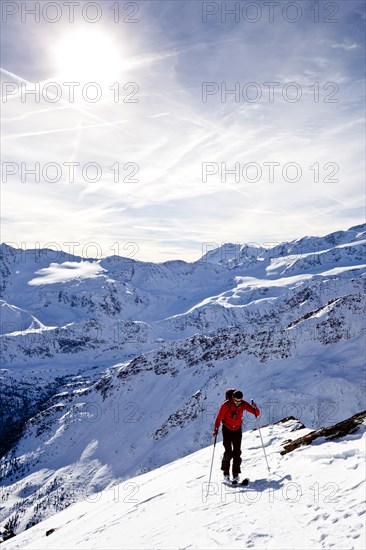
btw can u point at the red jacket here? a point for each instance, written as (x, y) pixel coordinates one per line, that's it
(232, 415)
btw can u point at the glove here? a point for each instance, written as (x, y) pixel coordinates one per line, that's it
(255, 409)
(215, 432)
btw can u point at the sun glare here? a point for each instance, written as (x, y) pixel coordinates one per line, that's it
(87, 55)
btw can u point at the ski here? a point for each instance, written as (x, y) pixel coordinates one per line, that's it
(232, 483)
(244, 482)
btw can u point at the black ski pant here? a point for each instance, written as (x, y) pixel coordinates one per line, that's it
(232, 445)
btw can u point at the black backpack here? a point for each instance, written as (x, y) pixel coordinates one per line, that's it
(229, 393)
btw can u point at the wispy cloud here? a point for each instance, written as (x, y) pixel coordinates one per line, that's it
(161, 143)
(346, 45)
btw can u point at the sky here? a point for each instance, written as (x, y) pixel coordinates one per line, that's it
(149, 129)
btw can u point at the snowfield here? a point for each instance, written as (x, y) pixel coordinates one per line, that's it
(314, 497)
(67, 271)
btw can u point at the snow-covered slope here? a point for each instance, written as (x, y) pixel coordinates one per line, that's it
(313, 498)
(113, 368)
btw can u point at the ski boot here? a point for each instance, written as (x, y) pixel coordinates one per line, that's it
(235, 480)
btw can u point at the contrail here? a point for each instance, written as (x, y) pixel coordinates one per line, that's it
(66, 103)
(58, 130)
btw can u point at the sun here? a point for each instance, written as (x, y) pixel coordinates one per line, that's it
(87, 55)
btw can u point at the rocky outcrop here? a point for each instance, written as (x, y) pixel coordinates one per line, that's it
(341, 429)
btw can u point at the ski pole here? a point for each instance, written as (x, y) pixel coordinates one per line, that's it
(269, 471)
(213, 452)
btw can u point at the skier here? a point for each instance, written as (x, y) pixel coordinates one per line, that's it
(231, 416)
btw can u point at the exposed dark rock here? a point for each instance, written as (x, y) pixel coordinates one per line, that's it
(181, 417)
(341, 429)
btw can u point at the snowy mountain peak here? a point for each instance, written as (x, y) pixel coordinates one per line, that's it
(233, 253)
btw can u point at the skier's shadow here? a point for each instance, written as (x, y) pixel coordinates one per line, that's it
(261, 485)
